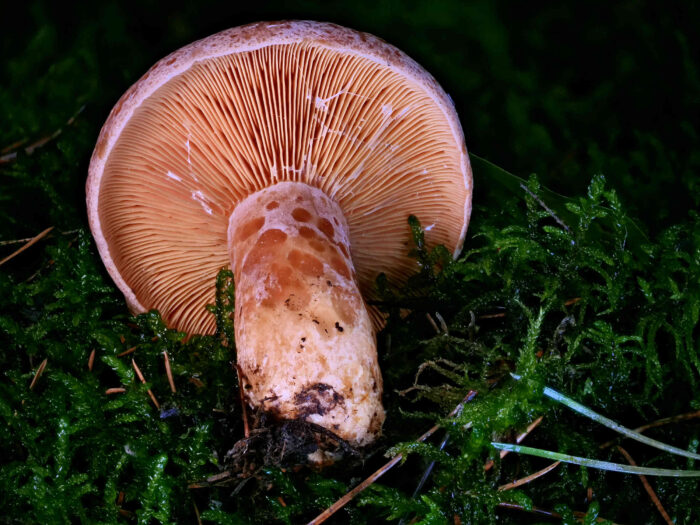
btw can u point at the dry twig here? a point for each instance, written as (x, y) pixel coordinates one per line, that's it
(91, 360)
(568, 302)
(15, 241)
(443, 324)
(218, 477)
(117, 390)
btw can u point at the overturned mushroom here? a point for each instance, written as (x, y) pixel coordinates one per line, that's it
(293, 152)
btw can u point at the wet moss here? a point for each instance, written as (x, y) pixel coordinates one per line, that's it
(596, 295)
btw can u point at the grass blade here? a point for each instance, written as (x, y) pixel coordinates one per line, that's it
(594, 463)
(583, 410)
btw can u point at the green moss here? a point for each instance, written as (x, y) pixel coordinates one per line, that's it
(596, 295)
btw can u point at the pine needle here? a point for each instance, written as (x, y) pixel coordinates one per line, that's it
(28, 245)
(546, 208)
(549, 513)
(127, 352)
(647, 486)
(667, 420)
(38, 373)
(492, 316)
(527, 479)
(143, 380)
(432, 323)
(9, 156)
(347, 498)
(659, 423)
(196, 513)
(427, 473)
(366, 483)
(169, 372)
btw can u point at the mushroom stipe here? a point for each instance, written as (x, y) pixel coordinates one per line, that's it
(305, 341)
(294, 153)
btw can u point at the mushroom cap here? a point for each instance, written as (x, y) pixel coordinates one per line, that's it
(251, 106)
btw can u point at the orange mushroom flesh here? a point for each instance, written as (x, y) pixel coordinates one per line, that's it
(289, 151)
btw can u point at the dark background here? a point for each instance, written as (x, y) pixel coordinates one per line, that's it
(565, 91)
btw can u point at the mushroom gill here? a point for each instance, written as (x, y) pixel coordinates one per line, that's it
(372, 139)
(293, 152)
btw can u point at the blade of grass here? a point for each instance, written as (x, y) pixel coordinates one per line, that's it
(532, 426)
(585, 411)
(594, 463)
(556, 202)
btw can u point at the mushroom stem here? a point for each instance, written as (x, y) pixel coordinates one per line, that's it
(305, 342)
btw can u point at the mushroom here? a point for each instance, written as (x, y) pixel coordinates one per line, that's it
(293, 152)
